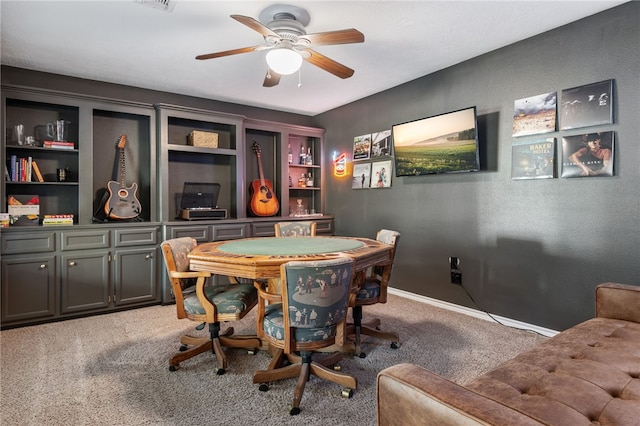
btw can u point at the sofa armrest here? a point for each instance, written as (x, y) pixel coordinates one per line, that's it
(412, 395)
(618, 301)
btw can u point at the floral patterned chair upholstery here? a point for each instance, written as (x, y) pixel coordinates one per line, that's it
(210, 304)
(374, 290)
(305, 228)
(305, 317)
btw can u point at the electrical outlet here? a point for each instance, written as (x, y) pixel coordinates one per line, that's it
(456, 274)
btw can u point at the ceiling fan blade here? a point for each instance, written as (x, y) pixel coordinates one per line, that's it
(327, 64)
(350, 35)
(271, 79)
(230, 52)
(255, 25)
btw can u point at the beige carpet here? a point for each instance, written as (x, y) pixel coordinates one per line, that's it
(113, 370)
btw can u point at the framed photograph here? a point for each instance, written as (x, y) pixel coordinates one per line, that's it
(533, 159)
(589, 105)
(381, 174)
(361, 175)
(362, 147)
(534, 115)
(588, 155)
(381, 144)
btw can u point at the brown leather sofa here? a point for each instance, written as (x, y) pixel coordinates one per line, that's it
(586, 375)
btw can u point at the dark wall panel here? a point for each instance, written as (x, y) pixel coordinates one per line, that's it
(532, 250)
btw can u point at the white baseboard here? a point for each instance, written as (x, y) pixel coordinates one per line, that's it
(474, 312)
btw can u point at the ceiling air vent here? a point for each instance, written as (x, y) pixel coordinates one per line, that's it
(166, 5)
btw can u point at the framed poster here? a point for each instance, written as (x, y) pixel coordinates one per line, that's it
(381, 174)
(361, 175)
(362, 147)
(587, 155)
(534, 115)
(533, 159)
(589, 105)
(381, 144)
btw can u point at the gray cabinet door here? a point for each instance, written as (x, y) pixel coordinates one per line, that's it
(28, 288)
(85, 281)
(136, 279)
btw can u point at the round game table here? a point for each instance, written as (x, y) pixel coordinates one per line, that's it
(260, 258)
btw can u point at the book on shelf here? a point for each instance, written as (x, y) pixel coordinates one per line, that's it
(57, 219)
(21, 169)
(23, 209)
(36, 171)
(58, 145)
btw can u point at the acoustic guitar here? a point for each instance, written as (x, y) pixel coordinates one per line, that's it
(122, 202)
(263, 201)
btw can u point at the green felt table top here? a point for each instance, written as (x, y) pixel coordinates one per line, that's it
(290, 246)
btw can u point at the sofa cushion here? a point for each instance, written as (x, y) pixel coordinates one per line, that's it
(589, 374)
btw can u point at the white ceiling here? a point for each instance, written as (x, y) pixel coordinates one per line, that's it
(125, 42)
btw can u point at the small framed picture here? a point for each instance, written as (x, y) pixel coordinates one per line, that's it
(534, 159)
(381, 144)
(534, 115)
(587, 155)
(381, 174)
(361, 175)
(589, 105)
(362, 147)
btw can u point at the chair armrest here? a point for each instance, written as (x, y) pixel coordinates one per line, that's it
(412, 395)
(618, 301)
(264, 294)
(189, 274)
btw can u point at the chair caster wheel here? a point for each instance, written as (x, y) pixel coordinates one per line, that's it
(347, 393)
(294, 411)
(337, 368)
(263, 387)
(362, 355)
(220, 371)
(183, 348)
(173, 368)
(395, 345)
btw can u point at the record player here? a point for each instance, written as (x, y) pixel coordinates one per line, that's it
(200, 202)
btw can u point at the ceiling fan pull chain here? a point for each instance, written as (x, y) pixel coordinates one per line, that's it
(300, 77)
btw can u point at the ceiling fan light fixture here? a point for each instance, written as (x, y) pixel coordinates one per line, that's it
(284, 61)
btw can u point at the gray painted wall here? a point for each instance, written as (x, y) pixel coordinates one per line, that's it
(531, 250)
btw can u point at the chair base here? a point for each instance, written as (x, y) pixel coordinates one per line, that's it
(369, 328)
(286, 366)
(214, 344)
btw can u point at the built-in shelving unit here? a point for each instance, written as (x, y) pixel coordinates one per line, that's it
(99, 264)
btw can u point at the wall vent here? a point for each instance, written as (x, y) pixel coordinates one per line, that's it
(166, 5)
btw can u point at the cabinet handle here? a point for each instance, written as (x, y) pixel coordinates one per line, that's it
(72, 263)
(43, 266)
(148, 256)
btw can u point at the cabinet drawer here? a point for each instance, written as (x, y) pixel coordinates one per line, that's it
(229, 232)
(199, 232)
(263, 229)
(28, 242)
(324, 227)
(135, 237)
(85, 239)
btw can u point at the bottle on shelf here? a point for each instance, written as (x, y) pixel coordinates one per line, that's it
(302, 181)
(309, 158)
(290, 155)
(309, 180)
(303, 156)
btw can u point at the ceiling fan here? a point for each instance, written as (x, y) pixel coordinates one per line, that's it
(285, 36)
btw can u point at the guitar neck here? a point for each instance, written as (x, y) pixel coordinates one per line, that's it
(123, 172)
(260, 169)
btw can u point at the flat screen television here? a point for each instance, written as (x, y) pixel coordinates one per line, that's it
(444, 143)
